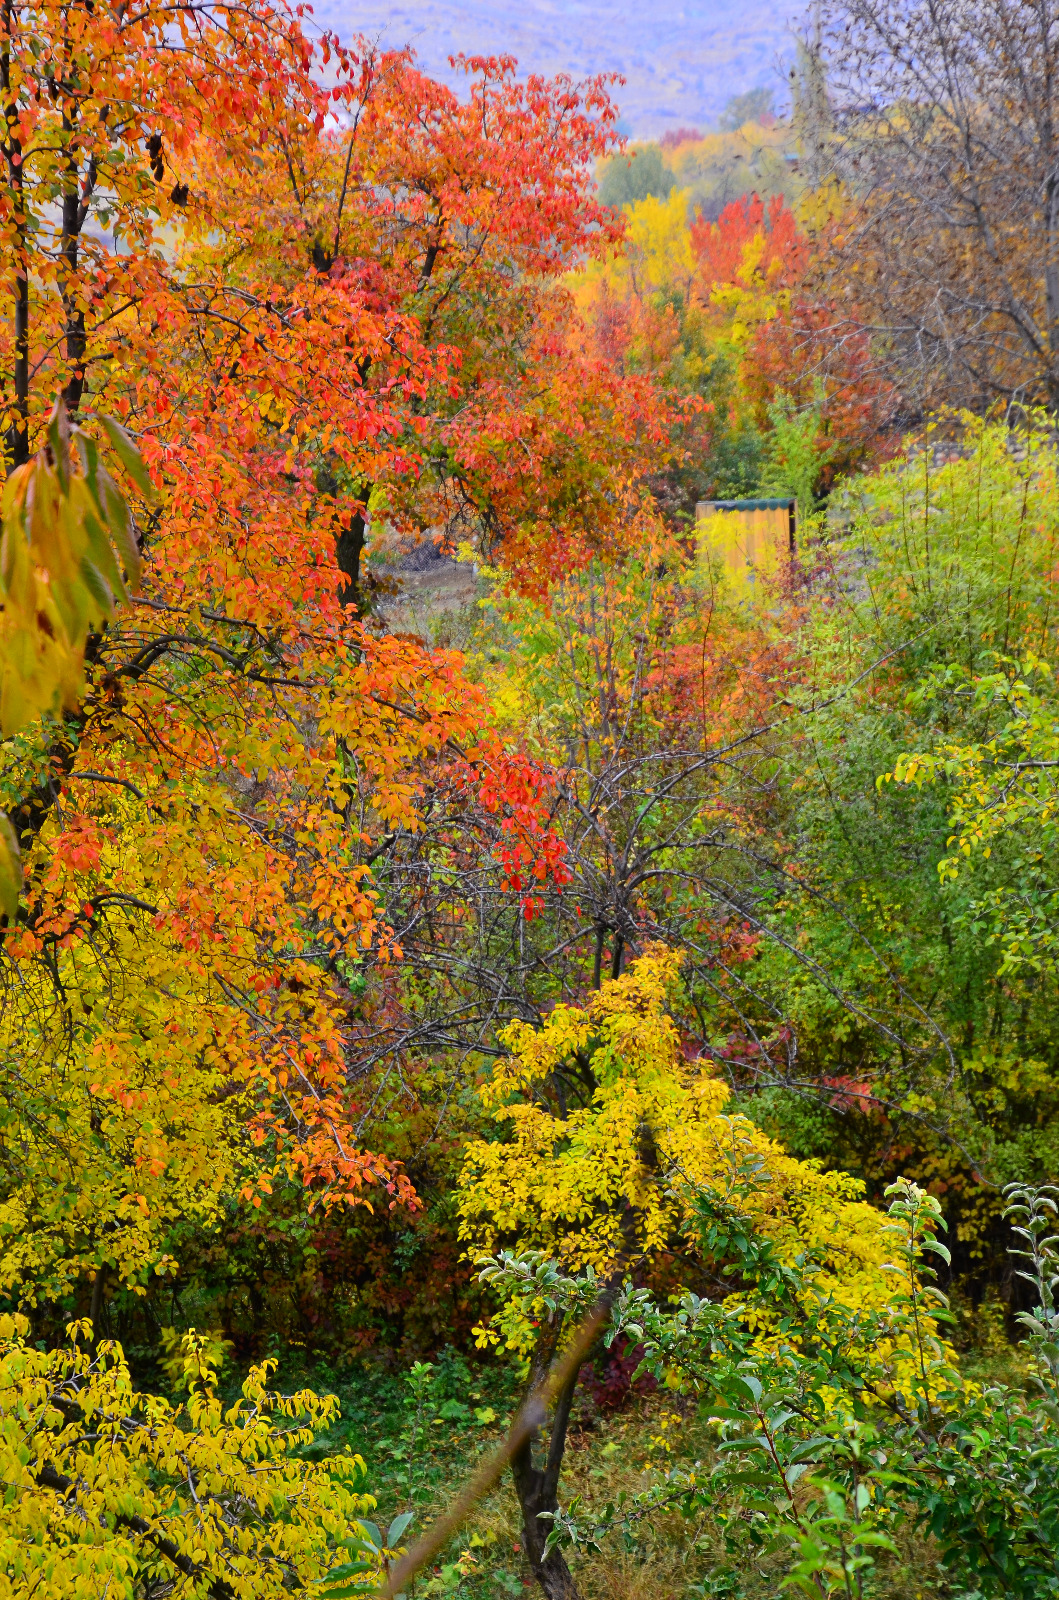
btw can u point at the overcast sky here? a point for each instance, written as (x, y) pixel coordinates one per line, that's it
(683, 61)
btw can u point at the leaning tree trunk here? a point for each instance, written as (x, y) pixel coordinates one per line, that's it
(538, 1487)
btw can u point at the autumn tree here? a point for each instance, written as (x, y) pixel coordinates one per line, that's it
(459, 218)
(731, 310)
(198, 830)
(650, 707)
(100, 109)
(106, 1489)
(756, 269)
(654, 701)
(747, 264)
(610, 1134)
(940, 121)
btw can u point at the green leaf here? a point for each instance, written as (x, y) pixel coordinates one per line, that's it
(397, 1527)
(746, 1383)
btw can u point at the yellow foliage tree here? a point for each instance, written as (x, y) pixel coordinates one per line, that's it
(200, 956)
(111, 1492)
(612, 1132)
(656, 256)
(613, 1138)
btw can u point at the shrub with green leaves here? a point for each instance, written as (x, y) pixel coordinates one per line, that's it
(828, 1447)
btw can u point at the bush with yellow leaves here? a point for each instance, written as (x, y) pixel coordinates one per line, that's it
(108, 1491)
(612, 1134)
(617, 1148)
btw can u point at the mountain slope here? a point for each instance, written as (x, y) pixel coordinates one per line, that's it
(682, 61)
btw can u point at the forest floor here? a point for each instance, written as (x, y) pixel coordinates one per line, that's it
(422, 1433)
(423, 593)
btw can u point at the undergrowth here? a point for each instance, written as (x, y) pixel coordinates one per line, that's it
(422, 1432)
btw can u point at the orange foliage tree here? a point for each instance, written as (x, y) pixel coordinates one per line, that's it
(748, 248)
(453, 221)
(732, 311)
(310, 304)
(755, 265)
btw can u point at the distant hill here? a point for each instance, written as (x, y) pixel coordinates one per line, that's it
(683, 61)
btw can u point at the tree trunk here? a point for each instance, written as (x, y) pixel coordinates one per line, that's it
(18, 432)
(537, 1488)
(77, 198)
(348, 548)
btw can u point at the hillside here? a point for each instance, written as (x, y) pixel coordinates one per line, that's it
(681, 62)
